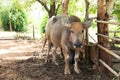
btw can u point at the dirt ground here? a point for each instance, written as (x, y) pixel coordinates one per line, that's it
(23, 60)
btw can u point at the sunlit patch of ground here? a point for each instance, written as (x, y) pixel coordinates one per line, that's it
(26, 47)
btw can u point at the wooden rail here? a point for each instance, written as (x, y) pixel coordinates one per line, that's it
(108, 22)
(109, 68)
(103, 29)
(109, 52)
(114, 31)
(117, 39)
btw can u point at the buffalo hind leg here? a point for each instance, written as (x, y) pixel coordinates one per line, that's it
(54, 55)
(61, 53)
(48, 51)
(44, 44)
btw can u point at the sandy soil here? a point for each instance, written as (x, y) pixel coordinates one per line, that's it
(23, 60)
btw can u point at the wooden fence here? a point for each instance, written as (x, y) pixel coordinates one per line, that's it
(107, 51)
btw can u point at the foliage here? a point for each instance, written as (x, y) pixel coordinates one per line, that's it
(28, 3)
(76, 7)
(17, 19)
(5, 19)
(116, 10)
(43, 24)
(93, 7)
(72, 9)
(13, 16)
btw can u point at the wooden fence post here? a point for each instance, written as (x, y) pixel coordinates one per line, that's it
(103, 29)
(33, 32)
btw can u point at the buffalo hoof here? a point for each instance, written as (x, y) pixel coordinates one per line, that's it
(67, 71)
(47, 60)
(55, 62)
(77, 70)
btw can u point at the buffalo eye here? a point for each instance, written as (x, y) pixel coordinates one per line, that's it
(71, 31)
(82, 31)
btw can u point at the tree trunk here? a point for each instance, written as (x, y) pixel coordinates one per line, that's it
(65, 7)
(87, 53)
(102, 14)
(52, 11)
(10, 26)
(87, 9)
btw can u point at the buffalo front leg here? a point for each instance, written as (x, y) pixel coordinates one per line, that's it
(54, 55)
(66, 58)
(76, 58)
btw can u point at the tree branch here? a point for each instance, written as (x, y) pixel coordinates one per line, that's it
(57, 8)
(87, 9)
(109, 6)
(44, 5)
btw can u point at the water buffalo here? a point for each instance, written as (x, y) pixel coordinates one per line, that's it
(51, 22)
(67, 34)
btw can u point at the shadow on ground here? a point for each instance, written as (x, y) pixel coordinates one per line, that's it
(36, 69)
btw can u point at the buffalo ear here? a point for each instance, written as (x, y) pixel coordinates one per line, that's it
(87, 23)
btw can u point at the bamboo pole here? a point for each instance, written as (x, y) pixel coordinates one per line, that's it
(114, 31)
(110, 52)
(108, 22)
(92, 38)
(108, 67)
(117, 39)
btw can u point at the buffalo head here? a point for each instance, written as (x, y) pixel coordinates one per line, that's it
(76, 31)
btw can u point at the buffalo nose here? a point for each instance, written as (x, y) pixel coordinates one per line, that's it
(78, 44)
